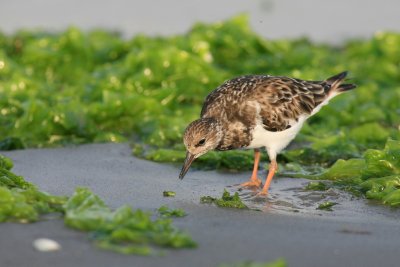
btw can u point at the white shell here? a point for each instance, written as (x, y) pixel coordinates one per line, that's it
(45, 245)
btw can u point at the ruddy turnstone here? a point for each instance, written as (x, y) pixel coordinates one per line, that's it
(256, 111)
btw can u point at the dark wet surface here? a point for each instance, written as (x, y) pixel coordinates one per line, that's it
(289, 196)
(355, 233)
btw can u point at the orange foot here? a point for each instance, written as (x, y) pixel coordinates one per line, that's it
(262, 193)
(251, 183)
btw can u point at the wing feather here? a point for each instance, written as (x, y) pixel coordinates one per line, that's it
(286, 99)
(282, 100)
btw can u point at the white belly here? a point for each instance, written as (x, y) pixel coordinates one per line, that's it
(274, 142)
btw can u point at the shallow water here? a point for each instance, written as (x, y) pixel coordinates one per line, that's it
(288, 196)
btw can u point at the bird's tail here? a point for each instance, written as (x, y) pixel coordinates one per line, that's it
(336, 83)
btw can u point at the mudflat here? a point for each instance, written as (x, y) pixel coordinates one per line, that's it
(286, 224)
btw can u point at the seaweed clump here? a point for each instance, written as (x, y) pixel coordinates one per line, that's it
(125, 230)
(276, 263)
(83, 87)
(326, 206)
(226, 201)
(21, 201)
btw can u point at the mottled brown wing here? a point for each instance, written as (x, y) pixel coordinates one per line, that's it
(284, 100)
(231, 95)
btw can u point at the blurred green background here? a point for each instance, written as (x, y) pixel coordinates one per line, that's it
(82, 87)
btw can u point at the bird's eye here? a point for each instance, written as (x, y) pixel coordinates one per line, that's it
(201, 142)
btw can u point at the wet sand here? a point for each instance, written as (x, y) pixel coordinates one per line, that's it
(356, 233)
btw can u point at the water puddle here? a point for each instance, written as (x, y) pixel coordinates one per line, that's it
(288, 196)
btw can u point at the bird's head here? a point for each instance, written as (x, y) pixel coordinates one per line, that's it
(200, 136)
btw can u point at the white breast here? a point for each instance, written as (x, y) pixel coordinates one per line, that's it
(274, 142)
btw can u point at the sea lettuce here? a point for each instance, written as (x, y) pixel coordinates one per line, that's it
(226, 201)
(82, 87)
(376, 174)
(124, 230)
(21, 201)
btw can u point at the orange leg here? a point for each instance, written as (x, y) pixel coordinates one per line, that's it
(254, 181)
(273, 167)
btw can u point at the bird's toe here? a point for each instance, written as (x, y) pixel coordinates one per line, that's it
(251, 183)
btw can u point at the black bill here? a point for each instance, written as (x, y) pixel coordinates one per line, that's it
(186, 165)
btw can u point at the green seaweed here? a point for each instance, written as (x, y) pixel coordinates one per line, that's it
(82, 87)
(226, 201)
(6, 163)
(164, 211)
(169, 193)
(227, 160)
(207, 200)
(276, 263)
(21, 201)
(11, 143)
(326, 206)
(316, 186)
(376, 174)
(124, 230)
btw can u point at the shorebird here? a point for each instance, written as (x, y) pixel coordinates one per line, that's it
(257, 111)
